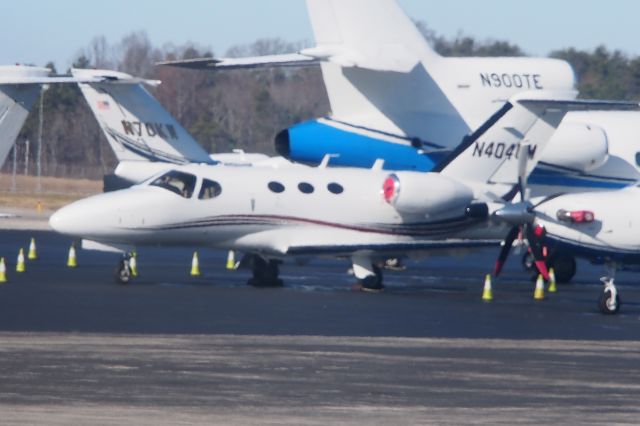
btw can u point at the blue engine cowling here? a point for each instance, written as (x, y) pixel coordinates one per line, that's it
(310, 141)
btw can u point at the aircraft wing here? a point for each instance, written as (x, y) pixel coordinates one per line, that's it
(392, 249)
(385, 57)
(269, 61)
(69, 79)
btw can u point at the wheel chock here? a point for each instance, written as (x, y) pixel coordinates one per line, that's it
(72, 261)
(538, 294)
(133, 264)
(487, 292)
(20, 265)
(231, 261)
(195, 265)
(32, 255)
(553, 288)
(3, 271)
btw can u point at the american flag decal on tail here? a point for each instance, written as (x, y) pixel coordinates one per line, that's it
(103, 105)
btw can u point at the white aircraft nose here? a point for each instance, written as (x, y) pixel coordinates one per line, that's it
(69, 220)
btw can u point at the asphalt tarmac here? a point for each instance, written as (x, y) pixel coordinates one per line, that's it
(173, 349)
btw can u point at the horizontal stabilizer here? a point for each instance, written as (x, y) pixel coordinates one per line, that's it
(108, 76)
(269, 61)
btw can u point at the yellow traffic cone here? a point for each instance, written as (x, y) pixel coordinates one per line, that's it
(538, 294)
(20, 266)
(32, 250)
(231, 260)
(552, 281)
(195, 265)
(3, 271)
(487, 293)
(72, 262)
(133, 264)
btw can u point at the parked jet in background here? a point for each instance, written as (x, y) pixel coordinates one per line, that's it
(20, 87)
(393, 97)
(143, 135)
(602, 227)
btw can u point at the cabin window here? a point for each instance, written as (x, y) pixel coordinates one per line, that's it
(180, 183)
(210, 189)
(276, 187)
(305, 188)
(335, 188)
(638, 159)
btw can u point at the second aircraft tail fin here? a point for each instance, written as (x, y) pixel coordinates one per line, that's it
(137, 127)
(520, 129)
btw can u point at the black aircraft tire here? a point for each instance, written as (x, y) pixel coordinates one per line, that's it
(603, 304)
(123, 273)
(564, 267)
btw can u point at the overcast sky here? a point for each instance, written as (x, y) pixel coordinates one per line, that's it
(38, 31)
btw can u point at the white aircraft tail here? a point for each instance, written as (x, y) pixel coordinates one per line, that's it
(16, 100)
(371, 57)
(137, 127)
(381, 74)
(519, 131)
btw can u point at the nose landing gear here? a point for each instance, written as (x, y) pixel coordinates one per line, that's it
(609, 301)
(123, 272)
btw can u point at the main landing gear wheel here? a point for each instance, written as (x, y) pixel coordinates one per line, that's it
(563, 265)
(372, 283)
(369, 275)
(123, 273)
(265, 273)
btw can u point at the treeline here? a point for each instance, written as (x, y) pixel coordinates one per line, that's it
(245, 109)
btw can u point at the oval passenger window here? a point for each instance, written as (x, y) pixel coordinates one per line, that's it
(305, 188)
(335, 188)
(276, 187)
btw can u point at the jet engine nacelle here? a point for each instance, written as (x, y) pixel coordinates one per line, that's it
(428, 194)
(577, 146)
(310, 141)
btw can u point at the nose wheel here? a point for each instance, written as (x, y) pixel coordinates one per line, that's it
(123, 273)
(609, 301)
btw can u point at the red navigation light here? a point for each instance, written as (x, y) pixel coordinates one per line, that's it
(576, 216)
(390, 188)
(582, 216)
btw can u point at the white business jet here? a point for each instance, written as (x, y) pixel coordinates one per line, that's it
(304, 211)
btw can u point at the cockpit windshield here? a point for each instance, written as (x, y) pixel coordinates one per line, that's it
(181, 183)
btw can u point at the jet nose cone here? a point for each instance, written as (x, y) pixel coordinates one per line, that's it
(64, 221)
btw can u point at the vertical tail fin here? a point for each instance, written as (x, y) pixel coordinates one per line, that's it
(522, 127)
(373, 30)
(374, 71)
(16, 100)
(137, 127)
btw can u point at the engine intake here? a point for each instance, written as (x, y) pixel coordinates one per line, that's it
(426, 194)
